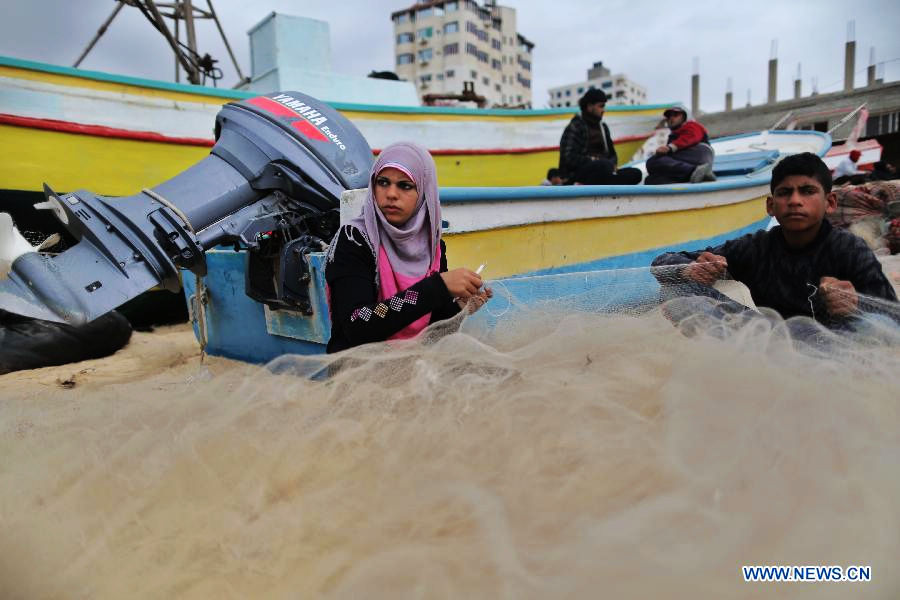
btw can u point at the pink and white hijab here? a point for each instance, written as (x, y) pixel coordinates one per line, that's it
(407, 254)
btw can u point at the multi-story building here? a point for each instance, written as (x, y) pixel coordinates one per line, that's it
(619, 88)
(440, 44)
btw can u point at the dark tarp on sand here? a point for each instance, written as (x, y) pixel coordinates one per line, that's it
(31, 343)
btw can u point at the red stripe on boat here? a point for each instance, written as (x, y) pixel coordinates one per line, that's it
(150, 136)
(100, 131)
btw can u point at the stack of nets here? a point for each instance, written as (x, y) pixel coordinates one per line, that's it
(871, 211)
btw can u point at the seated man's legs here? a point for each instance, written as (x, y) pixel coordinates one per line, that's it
(600, 172)
(594, 173)
(627, 176)
(677, 167)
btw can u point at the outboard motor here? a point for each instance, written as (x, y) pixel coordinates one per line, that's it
(271, 184)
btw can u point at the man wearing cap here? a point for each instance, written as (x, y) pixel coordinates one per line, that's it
(687, 155)
(586, 152)
(847, 169)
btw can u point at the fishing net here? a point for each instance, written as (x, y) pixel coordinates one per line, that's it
(576, 434)
(871, 211)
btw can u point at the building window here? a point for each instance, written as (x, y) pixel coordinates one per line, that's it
(450, 73)
(425, 78)
(424, 12)
(440, 76)
(425, 32)
(568, 92)
(485, 81)
(402, 18)
(451, 48)
(425, 55)
(524, 63)
(471, 27)
(473, 74)
(497, 86)
(883, 124)
(568, 103)
(474, 51)
(404, 59)
(525, 82)
(606, 85)
(403, 38)
(580, 90)
(451, 27)
(495, 44)
(495, 63)
(451, 6)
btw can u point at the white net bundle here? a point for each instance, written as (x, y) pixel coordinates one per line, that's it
(570, 439)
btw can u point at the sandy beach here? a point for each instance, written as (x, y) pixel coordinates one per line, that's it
(561, 455)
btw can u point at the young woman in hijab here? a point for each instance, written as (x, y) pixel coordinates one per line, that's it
(387, 269)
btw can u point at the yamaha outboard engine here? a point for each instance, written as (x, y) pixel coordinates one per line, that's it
(271, 184)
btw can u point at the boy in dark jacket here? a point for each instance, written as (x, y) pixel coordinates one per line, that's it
(586, 152)
(804, 266)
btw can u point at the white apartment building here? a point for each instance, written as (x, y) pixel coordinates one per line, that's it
(440, 44)
(619, 88)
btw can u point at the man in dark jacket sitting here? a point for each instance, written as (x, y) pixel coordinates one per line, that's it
(586, 152)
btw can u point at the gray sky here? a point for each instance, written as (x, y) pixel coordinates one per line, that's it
(652, 41)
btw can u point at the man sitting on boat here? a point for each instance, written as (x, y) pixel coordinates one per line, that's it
(586, 152)
(804, 266)
(686, 157)
(848, 170)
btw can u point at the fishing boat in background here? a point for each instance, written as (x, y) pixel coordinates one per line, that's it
(115, 134)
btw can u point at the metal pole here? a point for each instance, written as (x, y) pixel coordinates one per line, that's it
(191, 72)
(215, 19)
(187, 10)
(100, 32)
(177, 38)
(847, 118)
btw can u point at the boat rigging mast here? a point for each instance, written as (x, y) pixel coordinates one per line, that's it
(198, 69)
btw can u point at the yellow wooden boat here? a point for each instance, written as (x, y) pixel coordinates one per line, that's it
(115, 135)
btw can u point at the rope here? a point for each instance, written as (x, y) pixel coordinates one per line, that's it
(200, 313)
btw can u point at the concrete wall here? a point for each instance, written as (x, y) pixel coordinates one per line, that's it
(880, 98)
(294, 53)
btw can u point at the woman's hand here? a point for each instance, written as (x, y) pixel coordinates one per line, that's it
(462, 283)
(476, 301)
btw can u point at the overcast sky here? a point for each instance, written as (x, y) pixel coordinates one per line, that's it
(651, 41)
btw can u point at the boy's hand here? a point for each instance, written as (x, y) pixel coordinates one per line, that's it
(461, 282)
(707, 269)
(840, 296)
(664, 149)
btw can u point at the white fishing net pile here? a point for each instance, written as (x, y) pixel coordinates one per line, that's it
(550, 449)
